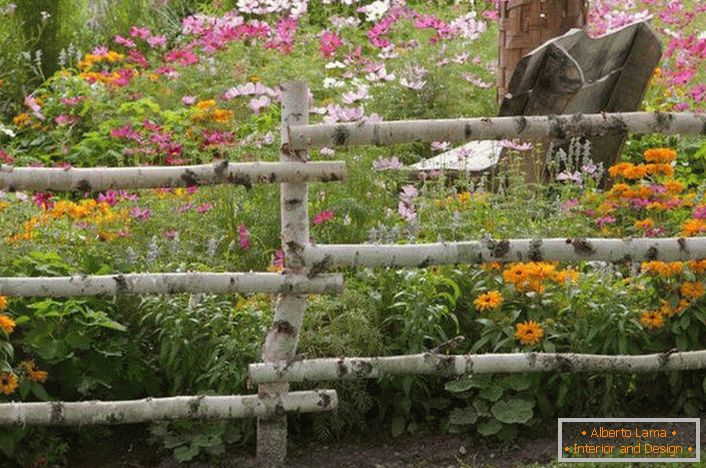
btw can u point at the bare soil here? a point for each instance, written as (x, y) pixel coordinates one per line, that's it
(419, 451)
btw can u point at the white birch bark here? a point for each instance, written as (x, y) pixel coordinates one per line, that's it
(163, 409)
(455, 365)
(107, 178)
(281, 340)
(495, 128)
(322, 257)
(169, 283)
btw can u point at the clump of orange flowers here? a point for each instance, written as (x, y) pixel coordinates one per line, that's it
(207, 110)
(663, 269)
(6, 322)
(490, 300)
(529, 333)
(32, 373)
(532, 276)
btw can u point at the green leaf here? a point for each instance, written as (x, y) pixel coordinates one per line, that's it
(398, 426)
(186, 453)
(517, 382)
(482, 407)
(461, 385)
(490, 427)
(39, 391)
(463, 416)
(513, 411)
(492, 392)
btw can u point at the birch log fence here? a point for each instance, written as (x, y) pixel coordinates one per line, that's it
(306, 266)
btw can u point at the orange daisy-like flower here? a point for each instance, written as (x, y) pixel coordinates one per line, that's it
(692, 290)
(3, 302)
(652, 320)
(697, 266)
(489, 300)
(692, 227)
(7, 324)
(529, 333)
(647, 223)
(491, 266)
(566, 276)
(663, 269)
(8, 383)
(660, 155)
(673, 186)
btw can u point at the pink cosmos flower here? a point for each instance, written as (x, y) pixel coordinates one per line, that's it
(384, 164)
(188, 100)
(243, 237)
(6, 158)
(140, 213)
(43, 200)
(329, 43)
(324, 216)
(64, 119)
(129, 43)
(157, 42)
(31, 102)
(603, 220)
(203, 208)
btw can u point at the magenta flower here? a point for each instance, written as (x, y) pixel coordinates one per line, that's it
(243, 237)
(569, 204)
(110, 197)
(329, 43)
(185, 207)
(700, 212)
(603, 220)
(203, 208)
(324, 216)
(278, 260)
(188, 100)
(64, 119)
(129, 43)
(140, 213)
(6, 158)
(43, 200)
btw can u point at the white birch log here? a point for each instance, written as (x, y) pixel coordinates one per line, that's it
(322, 257)
(169, 283)
(495, 128)
(282, 338)
(163, 409)
(106, 178)
(455, 365)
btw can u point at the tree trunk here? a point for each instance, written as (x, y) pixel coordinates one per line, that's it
(527, 24)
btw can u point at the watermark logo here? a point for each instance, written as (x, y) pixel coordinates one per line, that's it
(629, 440)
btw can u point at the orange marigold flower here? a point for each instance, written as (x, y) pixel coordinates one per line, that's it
(3, 302)
(8, 383)
(7, 324)
(697, 266)
(692, 290)
(39, 376)
(203, 105)
(663, 269)
(491, 266)
(21, 120)
(529, 333)
(566, 276)
(635, 172)
(490, 300)
(647, 223)
(619, 169)
(222, 115)
(659, 169)
(652, 320)
(660, 155)
(673, 186)
(692, 227)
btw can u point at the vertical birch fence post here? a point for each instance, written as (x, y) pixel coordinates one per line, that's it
(281, 340)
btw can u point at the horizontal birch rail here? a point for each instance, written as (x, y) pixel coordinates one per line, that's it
(222, 172)
(456, 365)
(170, 283)
(495, 128)
(321, 257)
(164, 409)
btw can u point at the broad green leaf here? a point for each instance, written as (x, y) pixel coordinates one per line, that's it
(488, 428)
(513, 411)
(463, 416)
